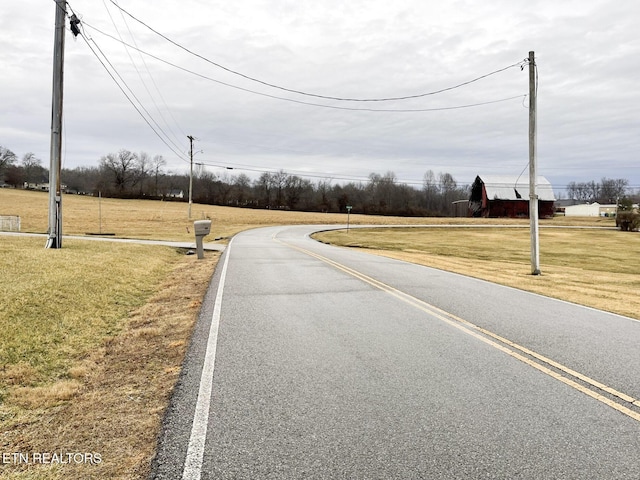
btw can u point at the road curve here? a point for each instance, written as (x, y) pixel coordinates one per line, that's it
(310, 361)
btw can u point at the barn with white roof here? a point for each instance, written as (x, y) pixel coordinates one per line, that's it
(508, 196)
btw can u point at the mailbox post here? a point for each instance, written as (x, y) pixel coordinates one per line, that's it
(202, 228)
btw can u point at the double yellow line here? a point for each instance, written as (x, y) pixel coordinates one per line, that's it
(541, 363)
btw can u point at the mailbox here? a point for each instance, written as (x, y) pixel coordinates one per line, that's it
(202, 228)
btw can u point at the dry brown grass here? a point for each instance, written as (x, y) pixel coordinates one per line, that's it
(105, 396)
(101, 386)
(146, 219)
(592, 267)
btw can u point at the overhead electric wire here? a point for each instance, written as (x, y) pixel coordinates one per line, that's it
(144, 83)
(354, 178)
(335, 107)
(326, 97)
(327, 176)
(248, 168)
(179, 154)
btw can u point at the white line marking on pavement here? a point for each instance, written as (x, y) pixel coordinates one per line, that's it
(195, 451)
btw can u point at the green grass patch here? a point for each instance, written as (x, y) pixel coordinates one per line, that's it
(57, 305)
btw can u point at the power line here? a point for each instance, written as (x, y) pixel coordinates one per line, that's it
(144, 83)
(327, 97)
(326, 176)
(335, 107)
(135, 66)
(357, 178)
(84, 37)
(311, 175)
(306, 174)
(180, 155)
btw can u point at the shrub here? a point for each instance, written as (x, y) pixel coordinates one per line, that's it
(628, 221)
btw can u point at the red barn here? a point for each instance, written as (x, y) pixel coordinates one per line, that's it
(508, 196)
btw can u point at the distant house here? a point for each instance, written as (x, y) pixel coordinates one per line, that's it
(44, 187)
(36, 186)
(176, 194)
(508, 196)
(590, 210)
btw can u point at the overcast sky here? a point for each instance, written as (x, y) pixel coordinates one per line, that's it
(587, 54)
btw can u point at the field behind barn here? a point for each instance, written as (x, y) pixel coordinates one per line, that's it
(92, 335)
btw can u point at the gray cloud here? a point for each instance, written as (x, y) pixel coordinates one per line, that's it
(586, 53)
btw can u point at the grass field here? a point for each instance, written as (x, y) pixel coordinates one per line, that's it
(92, 335)
(146, 219)
(91, 340)
(593, 267)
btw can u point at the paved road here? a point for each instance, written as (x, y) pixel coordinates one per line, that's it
(310, 361)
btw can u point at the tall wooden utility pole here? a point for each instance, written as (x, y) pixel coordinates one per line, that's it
(190, 173)
(55, 193)
(533, 153)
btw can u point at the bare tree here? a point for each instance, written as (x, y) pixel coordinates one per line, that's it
(593, 189)
(324, 189)
(613, 189)
(122, 166)
(223, 186)
(32, 167)
(241, 185)
(142, 170)
(608, 190)
(7, 158)
(579, 191)
(14, 176)
(294, 189)
(387, 189)
(264, 185)
(82, 179)
(373, 200)
(280, 179)
(430, 188)
(204, 190)
(157, 163)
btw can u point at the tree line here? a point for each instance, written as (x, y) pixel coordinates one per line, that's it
(16, 172)
(606, 191)
(127, 174)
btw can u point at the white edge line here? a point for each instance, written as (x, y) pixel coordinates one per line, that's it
(195, 451)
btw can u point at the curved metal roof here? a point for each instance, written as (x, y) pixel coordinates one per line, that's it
(508, 187)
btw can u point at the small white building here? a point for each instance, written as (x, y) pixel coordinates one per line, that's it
(590, 210)
(44, 187)
(176, 194)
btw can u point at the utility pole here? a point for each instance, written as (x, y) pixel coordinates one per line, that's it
(533, 153)
(55, 193)
(190, 173)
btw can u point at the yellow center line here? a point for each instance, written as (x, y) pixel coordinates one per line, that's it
(482, 334)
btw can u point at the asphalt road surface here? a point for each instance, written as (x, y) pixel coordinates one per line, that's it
(311, 361)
